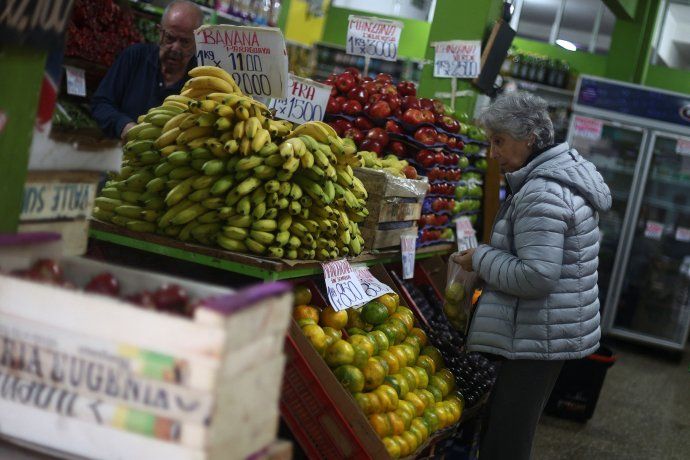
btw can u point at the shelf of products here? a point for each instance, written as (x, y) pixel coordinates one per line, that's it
(240, 12)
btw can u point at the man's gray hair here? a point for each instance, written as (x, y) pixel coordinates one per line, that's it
(192, 5)
(520, 115)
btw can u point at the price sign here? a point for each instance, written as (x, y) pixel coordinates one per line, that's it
(683, 234)
(653, 230)
(408, 249)
(306, 101)
(255, 56)
(588, 128)
(457, 59)
(372, 287)
(465, 234)
(343, 286)
(683, 147)
(76, 82)
(373, 37)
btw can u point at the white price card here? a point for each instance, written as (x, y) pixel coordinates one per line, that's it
(373, 37)
(76, 81)
(588, 128)
(342, 285)
(457, 59)
(683, 146)
(306, 101)
(57, 200)
(372, 287)
(466, 235)
(683, 234)
(653, 230)
(256, 57)
(408, 242)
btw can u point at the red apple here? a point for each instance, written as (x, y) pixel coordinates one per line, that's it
(398, 148)
(363, 123)
(441, 219)
(104, 283)
(411, 102)
(427, 104)
(143, 299)
(379, 135)
(380, 109)
(354, 71)
(410, 172)
(358, 93)
(172, 298)
(406, 88)
(428, 116)
(354, 134)
(394, 101)
(439, 158)
(370, 145)
(437, 205)
(46, 270)
(452, 142)
(374, 98)
(426, 135)
(384, 77)
(333, 106)
(345, 82)
(438, 105)
(447, 123)
(441, 138)
(412, 116)
(352, 107)
(393, 127)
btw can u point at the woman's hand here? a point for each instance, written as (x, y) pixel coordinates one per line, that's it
(464, 259)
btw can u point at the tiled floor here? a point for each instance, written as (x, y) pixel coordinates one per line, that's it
(643, 413)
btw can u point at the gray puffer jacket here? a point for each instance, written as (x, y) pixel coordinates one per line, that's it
(541, 296)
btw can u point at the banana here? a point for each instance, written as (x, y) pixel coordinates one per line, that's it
(159, 119)
(238, 131)
(284, 175)
(179, 158)
(284, 189)
(138, 145)
(275, 160)
(201, 153)
(272, 186)
(157, 184)
(245, 147)
(306, 202)
(222, 124)
(189, 122)
(182, 172)
(210, 217)
(259, 210)
(294, 242)
(262, 237)
(213, 203)
(298, 229)
(175, 121)
(268, 149)
(213, 167)
(287, 150)
(199, 195)
(192, 133)
(179, 192)
(177, 98)
(207, 82)
(166, 218)
(249, 162)
(188, 214)
(231, 146)
(260, 139)
(216, 72)
(240, 221)
(271, 213)
(264, 172)
(244, 206)
(206, 120)
(294, 208)
(222, 185)
(230, 244)
(133, 134)
(167, 138)
(137, 182)
(304, 213)
(141, 226)
(307, 160)
(175, 105)
(248, 186)
(197, 143)
(102, 214)
(266, 225)
(291, 165)
(284, 221)
(251, 127)
(205, 229)
(254, 246)
(128, 210)
(154, 204)
(277, 252)
(282, 238)
(203, 182)
(329, 191)
(242, 113)
(149, 157)
(111, 193)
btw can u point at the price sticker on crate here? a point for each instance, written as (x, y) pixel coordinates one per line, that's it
(457, 59)
(343, 286)
(372, 287)
(373, 37)
(76, 81)
(306, 101)
(465, 234)
(255, 57)
(408, 248)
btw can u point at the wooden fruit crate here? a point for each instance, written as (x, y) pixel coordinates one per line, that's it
(142, 384)
(394, 204)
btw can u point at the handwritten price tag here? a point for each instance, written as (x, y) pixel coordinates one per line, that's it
(372, 287)
(653, 230)
(343, 286)
(683, 234)
(306, 101)
(76, 82)
(408, 249)
(255, 57)
(683, 147)
(588, 128)
(465, 234)
(373, 37)
(457, 59)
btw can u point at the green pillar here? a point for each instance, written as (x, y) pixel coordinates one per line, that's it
(631, 44)
(22, 73)
(457, 20)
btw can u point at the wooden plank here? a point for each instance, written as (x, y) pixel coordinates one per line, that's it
(381, 239)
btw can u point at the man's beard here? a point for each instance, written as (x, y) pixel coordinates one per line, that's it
(176, 58)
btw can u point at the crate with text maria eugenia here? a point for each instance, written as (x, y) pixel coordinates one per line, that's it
(191, 373)
(394, 204)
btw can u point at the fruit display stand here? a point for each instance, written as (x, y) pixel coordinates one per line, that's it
(142, 383)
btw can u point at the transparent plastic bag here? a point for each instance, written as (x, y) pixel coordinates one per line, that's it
(460, 296)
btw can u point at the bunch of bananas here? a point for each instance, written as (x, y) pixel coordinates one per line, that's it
(390, 163)
(210, 165)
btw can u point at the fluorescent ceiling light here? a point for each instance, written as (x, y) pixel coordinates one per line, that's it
(512, 8)
(570, 46)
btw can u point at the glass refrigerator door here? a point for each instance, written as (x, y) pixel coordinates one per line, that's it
(614, 149)
(653, 305)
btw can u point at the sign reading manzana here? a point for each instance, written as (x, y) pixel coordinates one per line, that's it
(38, 23)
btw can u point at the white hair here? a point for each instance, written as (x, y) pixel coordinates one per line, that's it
(193, 5)
(522, 116)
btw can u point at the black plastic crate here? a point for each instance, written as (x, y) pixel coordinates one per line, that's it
(577, 389)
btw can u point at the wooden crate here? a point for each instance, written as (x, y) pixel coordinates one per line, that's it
(392, 200)
(142, 384)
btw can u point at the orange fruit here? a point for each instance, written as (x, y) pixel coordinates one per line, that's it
(405, 448)
(305, 312)
(431, 419)
(411, 377)
(374, 313)
(374, 374)
(420, 334)
(417, 402)
(434, 354)
(353, 318)
(419, 436)
(407, 407)
(392, 447)
(341, 352)
(360, 358)
(305, 321)
(448, 377)
(389, 331)
(302, 295)
(399, 353)
(381, 424)
(382, 361)
(356, 331)
(422, 377)
(438, 382)
(437, 393)
(316, 336)
(414, 342)
(405, 416)
(330, 340)
(444, 416)
(365, 402)
(403, 309)
(457, 399)
(455, 409)
(427, 363)
(418, 424)
(391, 360)
(410, 353)
(407, 320)
(389, 395)
(411, 440)
(380, 339)
(396, 422)
(350, 377)
(331, 318)
(390, 302)
(399, 383)
(426, 396)
(364, 341)
(399, 329)
(335, 333)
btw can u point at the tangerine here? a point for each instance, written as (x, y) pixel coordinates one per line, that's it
(331, 318)
(341, 352)
(374, 374)
(427, 363)
(305, 312)
(374, 313)
(391, 360)
(302, 295)
(417, 402)
(396, 422)
(392, 447)
(316, 336)
(350, 377)
(435, 354)
(381, 424)
(420, 334)
(390, 302)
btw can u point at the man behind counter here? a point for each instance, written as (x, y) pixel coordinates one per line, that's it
(145, 74)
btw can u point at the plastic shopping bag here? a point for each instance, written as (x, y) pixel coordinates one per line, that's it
(460, 296)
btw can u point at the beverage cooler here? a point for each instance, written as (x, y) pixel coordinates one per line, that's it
(639, 139)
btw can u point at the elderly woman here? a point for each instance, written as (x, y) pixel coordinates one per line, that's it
(540, 303)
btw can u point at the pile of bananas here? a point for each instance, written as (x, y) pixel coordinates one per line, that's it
(390, 163)
(211, 166)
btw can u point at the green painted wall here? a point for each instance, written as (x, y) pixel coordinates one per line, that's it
(624, 9)
(580, 61)
(477, 17)
(667, 78)
(413, 38)
(22, 73)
